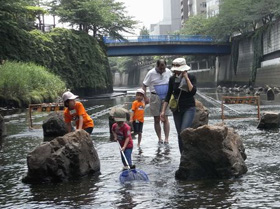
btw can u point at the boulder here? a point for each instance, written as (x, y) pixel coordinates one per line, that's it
(211, 152)
(270, 94)
(68, 157)
(201, 115)
(269, 120)
(54, 125)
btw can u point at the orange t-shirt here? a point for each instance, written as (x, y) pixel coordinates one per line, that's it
(139, 110)
(73, 115)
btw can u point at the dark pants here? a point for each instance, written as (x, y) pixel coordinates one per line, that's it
(89, 130)
(127, 153)
(183, 120)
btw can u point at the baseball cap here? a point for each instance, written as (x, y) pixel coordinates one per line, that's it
(68, 95)
(140, 91)
(120, 114)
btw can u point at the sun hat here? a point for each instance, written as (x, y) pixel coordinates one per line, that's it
(120, 114)
(179, 64)
(140, 91)
(68, 95)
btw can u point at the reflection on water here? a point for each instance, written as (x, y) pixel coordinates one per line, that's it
(259, 188)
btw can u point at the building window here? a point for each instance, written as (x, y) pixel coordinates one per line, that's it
(203, 4)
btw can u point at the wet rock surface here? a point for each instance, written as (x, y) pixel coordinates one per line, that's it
(54, 125)
(201, 115)
(269, 120)
(68, 157)
(211, 152)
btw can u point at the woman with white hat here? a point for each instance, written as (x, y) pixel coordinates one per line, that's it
(183, 87)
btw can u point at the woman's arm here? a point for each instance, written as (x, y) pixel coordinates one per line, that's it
(189, 83)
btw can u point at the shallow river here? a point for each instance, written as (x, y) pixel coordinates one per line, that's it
(259, 188)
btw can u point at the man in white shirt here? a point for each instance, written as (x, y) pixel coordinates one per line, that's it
(158, 76)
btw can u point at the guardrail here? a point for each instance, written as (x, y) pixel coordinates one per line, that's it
(159, 38)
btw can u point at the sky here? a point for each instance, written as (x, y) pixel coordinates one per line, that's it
(145, 11)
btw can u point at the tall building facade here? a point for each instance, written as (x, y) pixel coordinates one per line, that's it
(171, 18)
(212, 7)
(196, 7)
(184, 11)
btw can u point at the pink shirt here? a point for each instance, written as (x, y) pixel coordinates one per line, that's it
(122, 133)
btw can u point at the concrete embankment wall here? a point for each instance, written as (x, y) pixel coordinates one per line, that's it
(223, 73)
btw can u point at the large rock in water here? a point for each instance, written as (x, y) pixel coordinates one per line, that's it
(201, 115)
(67, 157)
(211, 152)
(269, 120)
(54, 125)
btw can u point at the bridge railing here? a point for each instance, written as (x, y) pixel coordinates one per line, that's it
(159, 38)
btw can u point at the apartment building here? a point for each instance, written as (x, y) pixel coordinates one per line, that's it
(196, 7)
(171, 18)
(212, 7)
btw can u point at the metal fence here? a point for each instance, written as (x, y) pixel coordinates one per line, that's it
(159, 38)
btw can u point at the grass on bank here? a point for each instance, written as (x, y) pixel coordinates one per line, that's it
(25, 83)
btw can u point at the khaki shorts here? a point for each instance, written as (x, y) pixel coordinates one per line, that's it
(156, 106)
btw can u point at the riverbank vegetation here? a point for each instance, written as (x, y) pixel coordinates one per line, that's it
(25, 83)
(76, 55)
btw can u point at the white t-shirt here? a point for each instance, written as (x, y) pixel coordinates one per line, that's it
(154, 78)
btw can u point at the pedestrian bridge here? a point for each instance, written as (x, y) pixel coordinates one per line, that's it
(166, 45)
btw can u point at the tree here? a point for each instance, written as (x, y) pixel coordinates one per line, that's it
(19, 13)
(144, 31)
(101, 17)
(235, 16)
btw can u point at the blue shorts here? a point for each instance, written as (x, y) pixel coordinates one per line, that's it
(137, 127)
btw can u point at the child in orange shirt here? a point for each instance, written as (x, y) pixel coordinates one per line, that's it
(75, 111)
(137, 114)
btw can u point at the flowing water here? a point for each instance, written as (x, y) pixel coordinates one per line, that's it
(258, 188)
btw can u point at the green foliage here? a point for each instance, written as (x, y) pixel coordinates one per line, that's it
(235, 17)
(144, 31)
(27, 83)
(74, 56)
(21, 13)
(98, 16)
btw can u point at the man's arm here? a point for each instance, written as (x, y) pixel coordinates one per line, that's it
(146, 99)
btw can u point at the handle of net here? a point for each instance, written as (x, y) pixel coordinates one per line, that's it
(123, 155)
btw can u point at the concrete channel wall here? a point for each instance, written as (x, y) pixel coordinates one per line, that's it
(223, 73)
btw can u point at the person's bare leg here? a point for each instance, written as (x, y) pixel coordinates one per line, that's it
(139, 139)
(166, 128)
(157, 127)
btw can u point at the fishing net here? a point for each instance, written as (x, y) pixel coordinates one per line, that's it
(133, 175)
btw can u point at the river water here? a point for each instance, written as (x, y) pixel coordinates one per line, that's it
(259, 188)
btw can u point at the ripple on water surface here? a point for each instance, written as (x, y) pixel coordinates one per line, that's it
(259, 188)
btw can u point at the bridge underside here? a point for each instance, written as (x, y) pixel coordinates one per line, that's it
(141, 50)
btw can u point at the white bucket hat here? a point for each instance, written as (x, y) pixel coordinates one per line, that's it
(140, 91)
(180, 64)
(68, 95)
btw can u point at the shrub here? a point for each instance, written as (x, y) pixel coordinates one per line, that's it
(23, 83)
